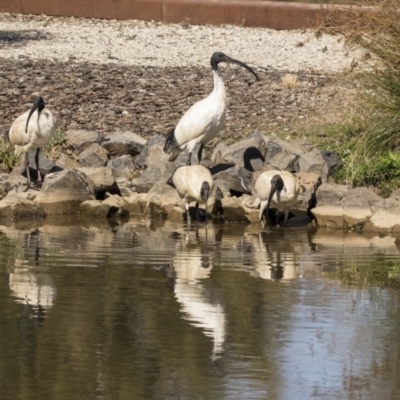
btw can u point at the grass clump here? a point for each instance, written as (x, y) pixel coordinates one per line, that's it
(56, 144)
(7, 157)
(374, 159)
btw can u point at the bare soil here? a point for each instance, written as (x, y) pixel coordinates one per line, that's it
(149, 100)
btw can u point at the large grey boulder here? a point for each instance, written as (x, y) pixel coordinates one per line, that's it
(79, 140)
(156, 164)
(331, 194)
(64, 191)
(307, 199)
(359, 205)
(386, 219)
(354, 208)
(10, 182)
(281, 155)
(161, 200)
(103, 179)
(121, 143)
(249, 153)
(122, 166)
(312, 162)
(239, 180)
(94, 156)
(16, 207)
(66, 162)
(46, 166)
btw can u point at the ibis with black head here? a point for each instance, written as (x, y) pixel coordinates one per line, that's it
(278, 189)
(204, 119)
(193, 183)
(32, 130)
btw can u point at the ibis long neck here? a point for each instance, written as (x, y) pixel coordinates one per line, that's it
(219, 87)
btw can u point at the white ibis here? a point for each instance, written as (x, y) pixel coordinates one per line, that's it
(193, 183)
(204, 120)
(32, 130)
(279, 188)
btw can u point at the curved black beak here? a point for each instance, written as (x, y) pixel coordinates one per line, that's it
(276, 186)
(38, 104)
(242, 64)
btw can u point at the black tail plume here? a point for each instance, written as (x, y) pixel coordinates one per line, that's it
(170, 142)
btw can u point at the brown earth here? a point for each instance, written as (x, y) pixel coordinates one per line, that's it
(149, 100)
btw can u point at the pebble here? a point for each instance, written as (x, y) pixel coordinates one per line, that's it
(140, 43)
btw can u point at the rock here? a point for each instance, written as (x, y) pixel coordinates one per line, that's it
(161, 199)
(238, 179)
(383, 222)
(93, 209)
(249, 153)
(233, 209)
(332, 160)
(159, 169)
(331, 194)
(93, 156)
(103, 179)
(122, 143)
(281, 155)
(387, 219)
(46, 166)
(64, 191)
(80, 140)
(136, 204)
(152, 151)
(116, 206)
(122, 166)
(330, 216)
(312, 162)
(307, 199)
(359, 205)
(65, 162)
(10, 182)
(13, 208)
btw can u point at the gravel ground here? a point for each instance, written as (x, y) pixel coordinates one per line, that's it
(141, 76)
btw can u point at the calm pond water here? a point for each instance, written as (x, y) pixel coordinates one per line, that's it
(150, 310)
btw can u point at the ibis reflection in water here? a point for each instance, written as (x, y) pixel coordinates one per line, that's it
(193, 263)
(205, 119)
(32, 130)
(30, 285)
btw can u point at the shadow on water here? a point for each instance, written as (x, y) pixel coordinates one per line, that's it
(21, 38)
(152, 309)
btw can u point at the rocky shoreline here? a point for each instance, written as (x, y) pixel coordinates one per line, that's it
(125, 175)
(117, 88)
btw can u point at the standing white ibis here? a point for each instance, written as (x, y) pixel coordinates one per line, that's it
(277, 188)
(204, 120)
(32, 130)
(193, 183)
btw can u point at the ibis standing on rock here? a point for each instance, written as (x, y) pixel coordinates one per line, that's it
(277, 188)
(204, 120)
(32, 130)
(193, 183)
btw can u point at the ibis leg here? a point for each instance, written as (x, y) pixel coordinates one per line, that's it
(187, 214)
(197, 212)
(199, 154)
(37, 166)
(28, 176)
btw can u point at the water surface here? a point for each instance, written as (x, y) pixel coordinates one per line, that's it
(151, 310)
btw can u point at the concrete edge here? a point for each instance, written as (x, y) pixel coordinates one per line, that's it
(250, 13)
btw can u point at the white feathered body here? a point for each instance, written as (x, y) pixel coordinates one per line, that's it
(203, 121)
(40, 130)
(188, 180)
(282, 200)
